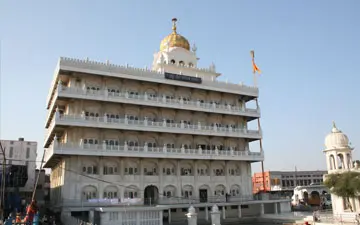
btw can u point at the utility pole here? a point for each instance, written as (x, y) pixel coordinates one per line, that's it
(3, 185)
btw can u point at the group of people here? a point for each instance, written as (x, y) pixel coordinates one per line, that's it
(28, 219)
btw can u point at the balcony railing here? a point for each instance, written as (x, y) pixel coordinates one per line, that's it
(159, 201)
(145, 125)
(146, 99)
(128, 72)
(149, 152)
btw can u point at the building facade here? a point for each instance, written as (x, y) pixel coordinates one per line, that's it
(21, 153)
(286, 180)
(339, 159)
(171, 135)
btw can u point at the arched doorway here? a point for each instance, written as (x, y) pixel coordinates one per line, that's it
(315, 198)
(151, 195)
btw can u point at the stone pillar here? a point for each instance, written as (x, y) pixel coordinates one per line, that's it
(262, 209)
(239, 211)
(191, 216)
(215, 215)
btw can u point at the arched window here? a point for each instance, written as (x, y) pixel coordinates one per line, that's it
(91, 115)
(172, 61)
(133, 93)
(131, 192)
(131, 117)
(151, 145)
(89, 192)
(133, 143)
(169, 170)
(110, 195)
(181, 63)
(90, 141)
(92, 89)
(111, 144)
(110, 169)
(113, 92)
(191, 65)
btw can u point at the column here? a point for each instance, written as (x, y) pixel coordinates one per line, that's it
(276, 208)
(169, 217)
(141, 174)
(161, 216)
(336, 161)
(345, 162)
(178, 173)
(196, 193)
(262, 209)
(224, 212)
(239, 211)
(207, 213)
(328, 162)
(161, 175)
(227, 177)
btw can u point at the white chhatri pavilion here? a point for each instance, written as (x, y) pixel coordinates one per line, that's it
(339, 160)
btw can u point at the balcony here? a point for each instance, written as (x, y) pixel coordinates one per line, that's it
(149, 126)
(147, 100)
(148, 152)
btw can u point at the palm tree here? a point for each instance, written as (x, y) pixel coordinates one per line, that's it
(345, 185)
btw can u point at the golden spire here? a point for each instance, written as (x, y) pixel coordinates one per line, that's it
(174, 39)
(174, 20)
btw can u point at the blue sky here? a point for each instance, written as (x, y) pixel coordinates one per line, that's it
(308, 52)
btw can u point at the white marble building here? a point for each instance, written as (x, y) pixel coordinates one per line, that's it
(339, 159)
(169, 135)
(22, 152)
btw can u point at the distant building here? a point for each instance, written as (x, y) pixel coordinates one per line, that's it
(286, 180)
(21, 153)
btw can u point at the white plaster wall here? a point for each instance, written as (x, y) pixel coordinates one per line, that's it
(74, 184)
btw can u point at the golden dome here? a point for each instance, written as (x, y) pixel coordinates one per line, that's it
(174, 40)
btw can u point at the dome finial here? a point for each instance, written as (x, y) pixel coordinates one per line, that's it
(174, 20)
(334, 125)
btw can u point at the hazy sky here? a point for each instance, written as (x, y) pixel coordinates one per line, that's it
(308, 52)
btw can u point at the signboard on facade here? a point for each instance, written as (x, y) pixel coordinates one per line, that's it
(172, 76)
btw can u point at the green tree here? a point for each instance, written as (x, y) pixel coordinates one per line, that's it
(345, 185)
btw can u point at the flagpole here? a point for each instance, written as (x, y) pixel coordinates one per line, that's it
(261, 145)
(256, 69)
(255, 79)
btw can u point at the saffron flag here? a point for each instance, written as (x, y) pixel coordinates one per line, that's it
(255, 67)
